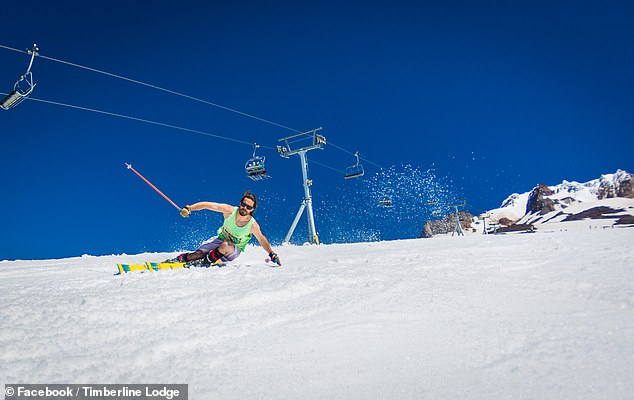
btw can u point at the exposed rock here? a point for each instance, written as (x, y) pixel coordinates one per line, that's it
(447, 224)
(545, 189)
(465, 219)
(567, 200)
(537, 202)
(505, 222)
(606, 189)
(619, 184)
(548, 205)
(428, 230)
(516, 228)
(625, 220)
(594, 213)
(510, 201)
(559, 214)
(626, 185)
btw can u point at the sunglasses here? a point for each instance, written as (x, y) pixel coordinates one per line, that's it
(248, 207)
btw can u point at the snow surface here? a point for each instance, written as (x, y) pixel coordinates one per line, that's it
(547, 315)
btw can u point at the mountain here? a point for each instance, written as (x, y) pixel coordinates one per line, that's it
(609, 198)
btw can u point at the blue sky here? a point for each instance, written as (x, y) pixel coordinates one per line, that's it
(454, 99)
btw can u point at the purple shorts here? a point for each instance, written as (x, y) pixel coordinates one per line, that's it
(211, 244)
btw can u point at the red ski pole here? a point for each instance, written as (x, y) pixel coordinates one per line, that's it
(152, 186)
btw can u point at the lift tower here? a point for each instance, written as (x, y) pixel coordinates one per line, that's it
(318, 142)
(458, 228)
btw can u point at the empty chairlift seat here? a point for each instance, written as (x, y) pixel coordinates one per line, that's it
(23, 87)
(13, 99)
(354, 171)
(386, 202)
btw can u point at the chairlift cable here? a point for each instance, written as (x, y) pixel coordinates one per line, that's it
(156, 87)
(326, 166)
(373, 163)
(160, 124)
(12, 49)
(352, 154)
(144, 120)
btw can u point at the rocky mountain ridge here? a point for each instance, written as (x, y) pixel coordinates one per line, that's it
(609, 198)
(570, 201)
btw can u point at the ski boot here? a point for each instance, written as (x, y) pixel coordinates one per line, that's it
(181, 258)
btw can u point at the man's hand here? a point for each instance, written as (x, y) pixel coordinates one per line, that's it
(275, 258)
(185, 211)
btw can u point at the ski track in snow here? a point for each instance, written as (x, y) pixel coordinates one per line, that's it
(522, 316)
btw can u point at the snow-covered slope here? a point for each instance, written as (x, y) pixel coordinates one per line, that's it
(569, 199)
(548, 315)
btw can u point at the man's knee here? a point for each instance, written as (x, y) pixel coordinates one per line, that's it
(226, 248)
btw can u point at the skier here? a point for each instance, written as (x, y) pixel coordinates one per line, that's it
(233, 236)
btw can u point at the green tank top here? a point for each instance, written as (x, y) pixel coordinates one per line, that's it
(239, 235)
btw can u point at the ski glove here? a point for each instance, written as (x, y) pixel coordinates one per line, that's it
(185, 211)
(275, 258)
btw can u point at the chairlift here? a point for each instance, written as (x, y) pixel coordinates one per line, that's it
(354, 171)
(255, 167)
(319, 140)
(23, 87)
(386, 202)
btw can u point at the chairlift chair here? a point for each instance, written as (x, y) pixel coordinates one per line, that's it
(23, 87)
(255, 166)
(319, 139)
(386, 202)
(354, 171)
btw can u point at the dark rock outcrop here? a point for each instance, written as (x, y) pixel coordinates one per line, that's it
(621, 184)
(625, 220)
(516, 228)
(447, 224)
(537, 203)
(505, 222)
(594, 213)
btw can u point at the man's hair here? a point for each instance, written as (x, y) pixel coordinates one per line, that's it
(250, 196)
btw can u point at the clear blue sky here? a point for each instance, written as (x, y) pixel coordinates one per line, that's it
(494, 96)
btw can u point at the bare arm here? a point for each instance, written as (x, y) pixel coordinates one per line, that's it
(226, 209)
(255, 230)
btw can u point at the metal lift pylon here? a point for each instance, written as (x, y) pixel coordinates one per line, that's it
(458, 228)
(318, 141)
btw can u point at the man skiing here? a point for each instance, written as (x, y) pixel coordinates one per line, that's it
(234, 234)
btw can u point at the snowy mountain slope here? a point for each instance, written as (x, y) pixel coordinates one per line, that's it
(558, 202)
(542, 315)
